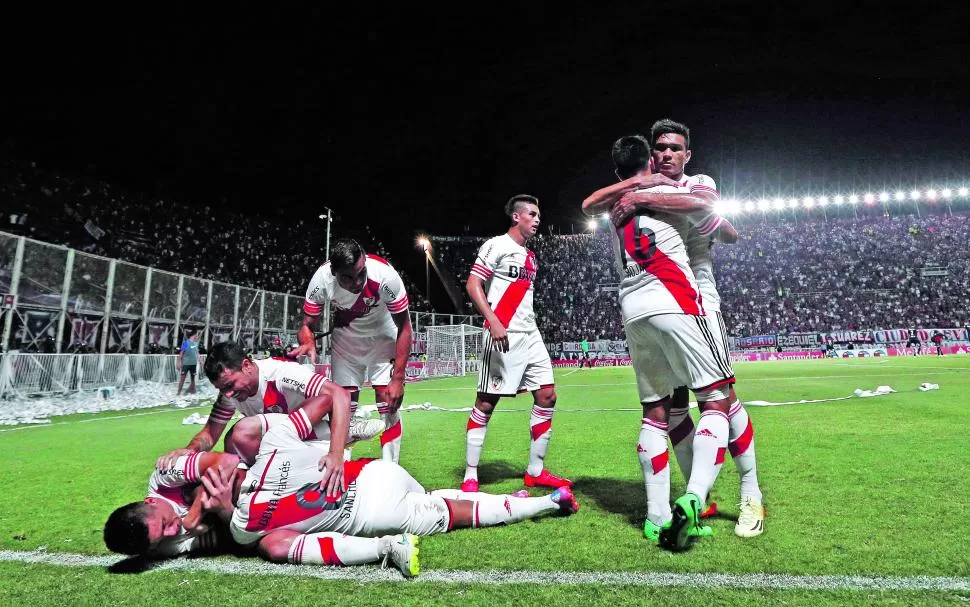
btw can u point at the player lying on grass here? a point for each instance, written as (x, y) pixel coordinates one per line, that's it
(169, 521)
(268, 386)
(283, 507)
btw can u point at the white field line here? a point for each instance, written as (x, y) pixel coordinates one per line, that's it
(412, 388)
(753, 581)
(99, 419)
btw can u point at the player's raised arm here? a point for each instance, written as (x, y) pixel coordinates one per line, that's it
(206, 438)
(726, 232)
(603, 199)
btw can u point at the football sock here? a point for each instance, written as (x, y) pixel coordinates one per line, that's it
(391, 437)
(682, 438)
(491, 510)
(540, 427)
(334, 549)
(741, 445)
(474, 440)
(710, 443)
(654, 459)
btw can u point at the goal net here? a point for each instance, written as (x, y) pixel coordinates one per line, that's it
(453, 350)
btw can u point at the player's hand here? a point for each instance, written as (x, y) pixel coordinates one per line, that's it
(194, 525)
(332, 465)
(166, 461)
(500, 337)
(309, 349)
(395, 394)
(642, 182)
(217, 496)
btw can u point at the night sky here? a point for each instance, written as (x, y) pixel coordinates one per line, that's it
(419, 119)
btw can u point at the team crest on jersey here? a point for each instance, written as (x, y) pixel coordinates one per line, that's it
(497, 382)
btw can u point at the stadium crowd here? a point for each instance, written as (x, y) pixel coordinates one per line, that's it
(783, 276)
(272, 252)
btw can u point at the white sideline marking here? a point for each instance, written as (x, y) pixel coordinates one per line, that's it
(97, 419)
(757, 581)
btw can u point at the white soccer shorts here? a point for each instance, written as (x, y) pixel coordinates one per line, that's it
(526, 367)
(391, 501)
(355, 360)
(671, 350)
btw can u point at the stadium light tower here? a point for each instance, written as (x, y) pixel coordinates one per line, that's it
(425, 245)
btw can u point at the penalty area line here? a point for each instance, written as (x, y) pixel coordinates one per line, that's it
(752, 581)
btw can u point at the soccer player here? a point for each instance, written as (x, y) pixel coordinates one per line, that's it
(372, 330)
(282, 504)
(671, 153)
(514, 357)
(937, 340)
(188, 359)
(168, 522)
(671, 342)
(268, 385)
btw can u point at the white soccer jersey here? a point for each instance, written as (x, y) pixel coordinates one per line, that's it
(653, 261)
(509, 271)
(283, 386)
(364, 314)
(282, 488)
(173, 486)
(699, 244)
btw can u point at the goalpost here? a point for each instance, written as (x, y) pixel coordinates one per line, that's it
(453, 350)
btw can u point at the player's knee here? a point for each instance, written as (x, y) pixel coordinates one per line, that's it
(274, 551)
(486, 403)
(717, 399)
(546, 398)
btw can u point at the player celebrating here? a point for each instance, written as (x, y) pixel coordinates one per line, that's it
(671, 343)
(671, 152)
(268, 385)
(169, 520)
(372, 330)
(514, 357)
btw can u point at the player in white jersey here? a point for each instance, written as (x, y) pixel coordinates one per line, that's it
(671, 152)
(371, 330)
(281, 505)
(168, 522)
(266, 386)
(670, 340)
(515, 358)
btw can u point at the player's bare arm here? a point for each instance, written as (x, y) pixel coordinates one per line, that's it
(334, 401)
(212, 463)
(603, 199)
(204, 440)
(684, 203)
(726, 232)
(402, 350)
(308, 345)
(476, 290)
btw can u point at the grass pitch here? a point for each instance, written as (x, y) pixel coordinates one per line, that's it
(868, 487)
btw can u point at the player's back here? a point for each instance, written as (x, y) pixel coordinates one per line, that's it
(654, 267)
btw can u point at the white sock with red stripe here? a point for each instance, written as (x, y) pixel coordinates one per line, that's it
(654, 459)
(391, 437)
(491, 510)
(540, 427)
(474, 440)
(681, 434)
(334, 549)
(710, 443)
(741, 445)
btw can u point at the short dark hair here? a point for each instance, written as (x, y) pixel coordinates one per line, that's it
(631, 154)
(512, 205)
(225, 355)
(345, 253)
(126, 532)
(666, 125)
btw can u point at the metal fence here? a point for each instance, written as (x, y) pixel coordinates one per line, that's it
(59, 300)
(22, 374)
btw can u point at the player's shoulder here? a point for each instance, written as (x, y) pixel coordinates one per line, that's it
(700, 179)
(377, 260)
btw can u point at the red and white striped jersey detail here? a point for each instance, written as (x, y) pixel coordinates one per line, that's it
(364, 314)
(509, 270)
(283, 386)
(699, 240)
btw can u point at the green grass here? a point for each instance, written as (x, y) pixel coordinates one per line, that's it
(870, 487)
